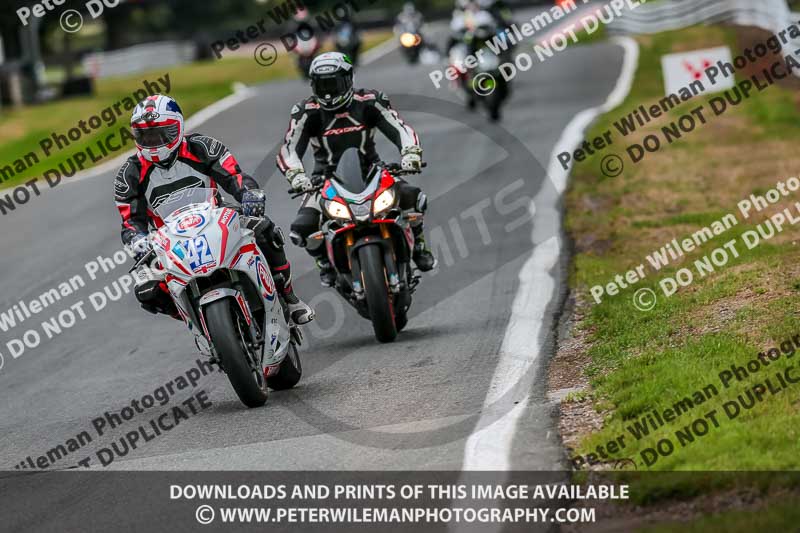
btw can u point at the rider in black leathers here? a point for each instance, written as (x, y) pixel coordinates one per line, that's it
(336, 118)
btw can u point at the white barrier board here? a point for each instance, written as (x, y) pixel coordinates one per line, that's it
(680, 70)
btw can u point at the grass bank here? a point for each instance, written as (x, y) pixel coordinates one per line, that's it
(639, 361)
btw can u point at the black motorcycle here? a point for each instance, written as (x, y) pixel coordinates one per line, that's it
(488, 84)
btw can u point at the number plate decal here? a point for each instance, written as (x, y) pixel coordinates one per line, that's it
(198, 254)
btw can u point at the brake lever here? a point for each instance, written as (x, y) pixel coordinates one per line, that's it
(294, 194)
(142, 261)
(397, 169)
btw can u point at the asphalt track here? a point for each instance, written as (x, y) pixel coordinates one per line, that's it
(408, 405)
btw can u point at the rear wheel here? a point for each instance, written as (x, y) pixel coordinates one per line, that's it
(494, 104)
(246, 376)
(289, 373)
(381, 310)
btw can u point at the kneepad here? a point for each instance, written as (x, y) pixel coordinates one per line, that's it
(422, 202)
(267, 233)
(306, 223)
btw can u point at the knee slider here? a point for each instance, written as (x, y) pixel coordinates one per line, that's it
(154, 297)
(277, 237)
(422, 202)
(297, 239)
(147, 292)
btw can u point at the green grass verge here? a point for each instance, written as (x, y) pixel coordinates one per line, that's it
(645, 361)
(583, 37)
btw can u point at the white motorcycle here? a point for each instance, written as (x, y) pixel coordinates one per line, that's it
(222, 288)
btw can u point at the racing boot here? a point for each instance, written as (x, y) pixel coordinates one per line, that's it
(299, 311)
(422, 255)
(327, 274)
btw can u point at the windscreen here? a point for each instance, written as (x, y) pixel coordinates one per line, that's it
(184, 198)
(350, 172)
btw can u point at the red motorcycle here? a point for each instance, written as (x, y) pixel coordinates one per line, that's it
(369, 241)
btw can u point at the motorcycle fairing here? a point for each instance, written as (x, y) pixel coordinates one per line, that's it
(378, 184)
(230, 247)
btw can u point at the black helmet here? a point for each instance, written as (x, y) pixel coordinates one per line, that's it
(332, 80)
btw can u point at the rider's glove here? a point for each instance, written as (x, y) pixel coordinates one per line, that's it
(301, 183)
(412, 159)
(140, 246)
(254, 203)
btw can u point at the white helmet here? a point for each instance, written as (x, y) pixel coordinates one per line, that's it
(157, 126)
(332, 80)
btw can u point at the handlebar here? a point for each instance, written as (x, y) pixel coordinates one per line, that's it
(394, 168)
(294, 194)
(397, 169)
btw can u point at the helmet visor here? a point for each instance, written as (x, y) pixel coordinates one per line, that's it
(156, 136)
(330, 87)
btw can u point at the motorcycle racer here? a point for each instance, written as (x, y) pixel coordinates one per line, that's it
(409, 16)
(499, 10)
(337, 117)
(167, 161)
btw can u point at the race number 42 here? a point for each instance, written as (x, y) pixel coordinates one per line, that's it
(198, 252)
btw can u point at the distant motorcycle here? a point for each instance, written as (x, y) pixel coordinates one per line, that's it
(306, 50)
(412, 42)
(223, 290)
(456, 58)
(369, 241)
(483, 83)
(414, 46)
(489, 85)
(348, 41)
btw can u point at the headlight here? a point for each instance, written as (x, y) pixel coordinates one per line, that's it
(337, 210)
(384, 201)
(409, 40)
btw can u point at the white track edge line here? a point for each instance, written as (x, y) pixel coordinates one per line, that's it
(490, 446)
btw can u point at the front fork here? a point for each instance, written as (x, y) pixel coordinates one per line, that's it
(389, 261)
(355, 266)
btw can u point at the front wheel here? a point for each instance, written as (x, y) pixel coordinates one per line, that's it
(379, 302)
(246, 376)
(493, 103)
(289, 373)
(401, 320)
